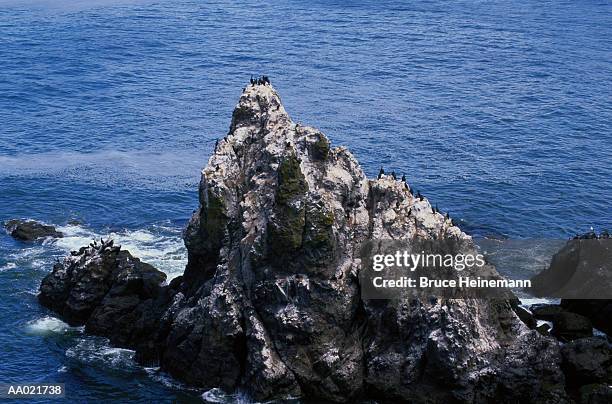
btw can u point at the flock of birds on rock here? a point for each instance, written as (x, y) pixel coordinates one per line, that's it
(418, 194)
(591, 235)
(94, 246)
(263, 80)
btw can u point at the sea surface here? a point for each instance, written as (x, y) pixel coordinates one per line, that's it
(500, 112)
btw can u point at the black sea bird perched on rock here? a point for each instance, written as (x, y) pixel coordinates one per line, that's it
(393, 175)
(381, 172)
(404, 178)
(447, 216)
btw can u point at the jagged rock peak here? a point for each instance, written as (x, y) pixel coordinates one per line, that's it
(247, 164)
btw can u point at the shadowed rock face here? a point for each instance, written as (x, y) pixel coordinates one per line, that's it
(270, 299)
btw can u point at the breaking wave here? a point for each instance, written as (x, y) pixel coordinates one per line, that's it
(159, 245)
(96, 351)
(49, 325)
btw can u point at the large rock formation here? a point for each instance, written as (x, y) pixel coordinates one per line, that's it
(270, 300)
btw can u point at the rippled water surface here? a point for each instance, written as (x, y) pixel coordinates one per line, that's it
(499, 111)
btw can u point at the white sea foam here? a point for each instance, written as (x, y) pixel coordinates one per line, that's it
(97, 351)
(47, 325)
(28, 255)
(8, 266)
(160, 377)
(217, 395)
(535, 300)
(159, 246)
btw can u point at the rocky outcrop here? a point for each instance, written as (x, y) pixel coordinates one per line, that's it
(30, 230)
(110, 292)
(582, 269)
(270, 299)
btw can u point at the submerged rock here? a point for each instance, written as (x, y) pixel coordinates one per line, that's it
(30, 230)
(270, 299)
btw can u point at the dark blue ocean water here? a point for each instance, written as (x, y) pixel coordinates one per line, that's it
(498, 111)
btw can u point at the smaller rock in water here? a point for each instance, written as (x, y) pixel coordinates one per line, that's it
(570, 326)
(92, 281)
(30, 230)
